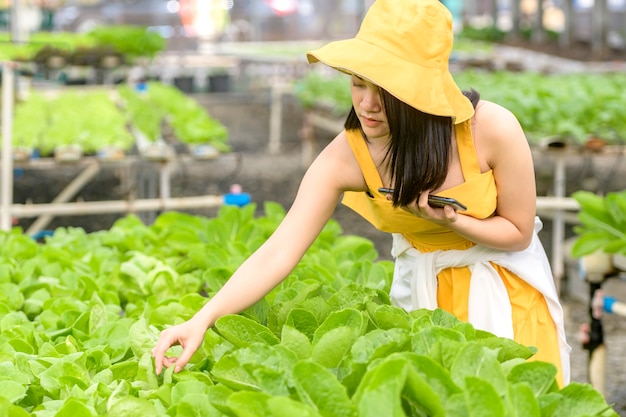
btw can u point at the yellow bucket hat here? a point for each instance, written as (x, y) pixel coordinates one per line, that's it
(403, 46)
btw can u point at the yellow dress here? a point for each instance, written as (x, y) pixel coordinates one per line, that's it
(532, 322)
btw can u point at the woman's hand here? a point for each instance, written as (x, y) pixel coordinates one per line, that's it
(189, 335)
(421, 208)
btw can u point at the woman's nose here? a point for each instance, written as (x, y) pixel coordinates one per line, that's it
(371, 100)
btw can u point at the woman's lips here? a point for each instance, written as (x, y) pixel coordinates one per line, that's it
(370, 122)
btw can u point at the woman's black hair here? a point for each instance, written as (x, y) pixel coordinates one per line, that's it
(419, 150)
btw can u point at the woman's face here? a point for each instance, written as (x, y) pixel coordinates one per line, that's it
(369, 108)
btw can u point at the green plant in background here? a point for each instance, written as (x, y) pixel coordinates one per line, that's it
(131, 41)
(100, 123)
(42, 42)
(16, 52)
(98, 119)
(89, 119)
(487, 33)
(603, 223)
(572, 106)
(191, 122)
(140, 113)
(284, 50)
(466, 45)
(81, 312)
(30, 121)
(64, 123)
(66, 41)
(103, 124)
(329, 92)
(161, 103)
(192, 125)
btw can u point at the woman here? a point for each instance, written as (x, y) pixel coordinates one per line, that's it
(413, 130)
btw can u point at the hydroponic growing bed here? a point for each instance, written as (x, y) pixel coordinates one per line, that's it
(98, 120)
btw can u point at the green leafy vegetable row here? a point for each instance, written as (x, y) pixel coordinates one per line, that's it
(319, 90)
(95, 119)
(90, 119)
(80, 313)
(131, 41)
(161, 103)
(570, 106)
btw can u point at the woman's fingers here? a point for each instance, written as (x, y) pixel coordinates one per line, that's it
(421, 208)
(184, 357)
(422, 200)
(169, 338)
(451, 213)
(169, 361)
(166, 340)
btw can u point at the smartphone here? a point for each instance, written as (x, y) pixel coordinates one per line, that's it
(440, 202)
(434, 200)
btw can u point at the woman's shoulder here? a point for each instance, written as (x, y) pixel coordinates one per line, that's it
(338, 161)
(496, 129)
(493, 120)
(486, 109)
(339, 148)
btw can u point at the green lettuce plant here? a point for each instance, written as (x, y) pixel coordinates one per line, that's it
(88, 119)
(323, 91)
(30, 121)
(130, 41)
(602, 223)
(571, 106)
(80, 313)
(165, 104)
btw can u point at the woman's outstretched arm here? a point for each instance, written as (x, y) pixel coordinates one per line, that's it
(334, 171)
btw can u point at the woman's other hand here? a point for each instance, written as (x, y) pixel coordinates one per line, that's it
(421, 208)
